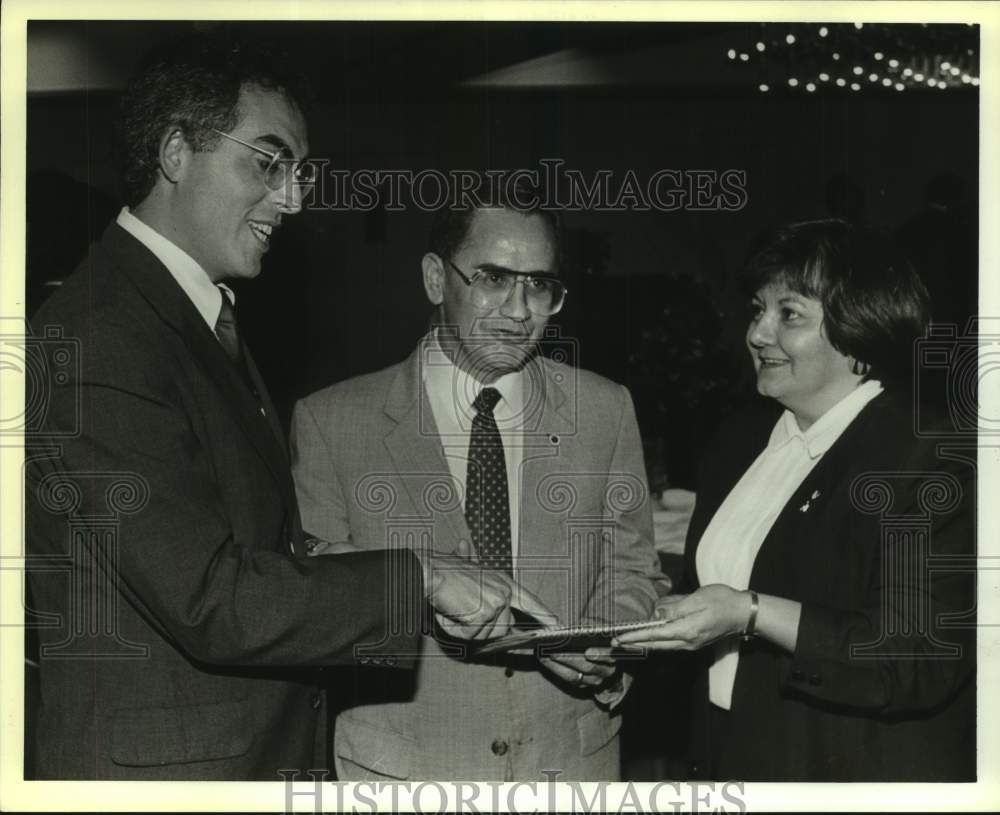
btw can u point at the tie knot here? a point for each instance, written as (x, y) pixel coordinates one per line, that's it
(227, 314)
(487, 400)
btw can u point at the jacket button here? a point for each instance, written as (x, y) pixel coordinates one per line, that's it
(815, 679)
(317, 701)
(499, 748)
(797, 675)
(508, 672)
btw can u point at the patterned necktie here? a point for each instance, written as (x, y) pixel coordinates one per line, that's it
(487, 503)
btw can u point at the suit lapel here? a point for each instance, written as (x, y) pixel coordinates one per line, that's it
(155, 283)
(550, 418)
(839, 465)
(283, 471)
(417, 455)
(264, 397)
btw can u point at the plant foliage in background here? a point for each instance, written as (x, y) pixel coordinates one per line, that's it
(687, 374)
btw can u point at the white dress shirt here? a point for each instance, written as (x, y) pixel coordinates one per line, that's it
(451, 392)
(730, 543)
(189, 274)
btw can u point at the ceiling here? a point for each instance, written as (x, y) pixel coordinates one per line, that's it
(350, 61)
(397, 59)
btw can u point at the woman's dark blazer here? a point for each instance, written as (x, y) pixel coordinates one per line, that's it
(878, 546)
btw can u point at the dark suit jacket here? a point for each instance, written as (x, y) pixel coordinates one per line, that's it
(163, 529)
(882, 682)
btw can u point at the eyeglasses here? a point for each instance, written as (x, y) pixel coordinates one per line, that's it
(280, 167)
(491, 288)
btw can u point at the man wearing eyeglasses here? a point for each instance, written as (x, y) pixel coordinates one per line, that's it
(182, 609)
(478, 444)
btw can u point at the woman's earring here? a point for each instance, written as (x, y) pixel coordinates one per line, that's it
(860, 368)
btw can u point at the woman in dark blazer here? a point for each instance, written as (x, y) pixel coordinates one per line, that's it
(830, 559)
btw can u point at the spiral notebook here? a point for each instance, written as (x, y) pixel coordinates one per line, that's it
(563, 638)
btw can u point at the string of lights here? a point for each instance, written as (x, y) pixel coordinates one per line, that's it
(814, 57)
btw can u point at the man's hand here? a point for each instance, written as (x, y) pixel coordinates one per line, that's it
(591, 670)
(473, 602)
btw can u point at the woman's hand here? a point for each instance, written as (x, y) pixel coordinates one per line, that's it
(692, 621)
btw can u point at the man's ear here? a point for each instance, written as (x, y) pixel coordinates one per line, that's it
(433, 268)
(175, 154)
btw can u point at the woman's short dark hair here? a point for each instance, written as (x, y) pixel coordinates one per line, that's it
(194, 84)
(874, 304)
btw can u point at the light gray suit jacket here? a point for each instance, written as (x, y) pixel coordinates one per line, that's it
(369, 467)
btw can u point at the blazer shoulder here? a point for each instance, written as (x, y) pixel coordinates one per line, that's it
(99, 309)
(359, 392)
(886, 430)
(91, 290)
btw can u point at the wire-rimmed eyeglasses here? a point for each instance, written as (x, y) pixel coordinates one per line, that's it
(491, 288)
(281, 167)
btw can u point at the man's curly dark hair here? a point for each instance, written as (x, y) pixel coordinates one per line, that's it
(194, 84)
